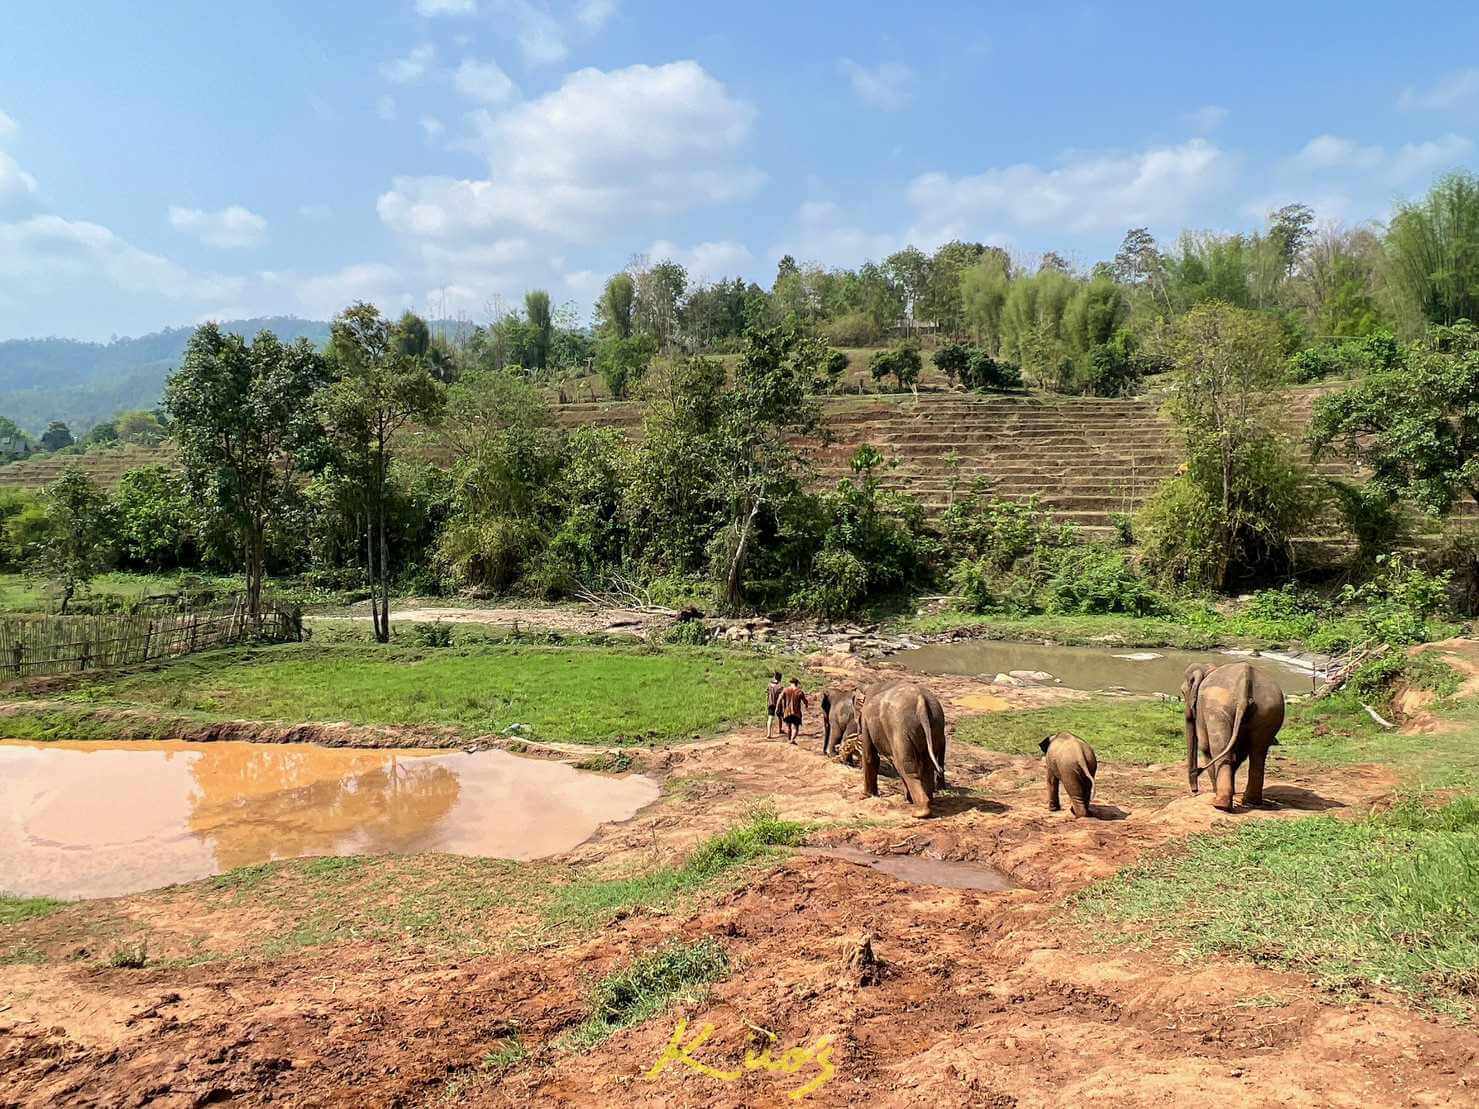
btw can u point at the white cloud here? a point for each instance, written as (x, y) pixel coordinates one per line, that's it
(432, 126)
(233, 226)
(825, 234)
(1424, 159)
(595, 14)
(385, 108)
(484, 81)
(411, 68)
(15, 183)
(705, 261)
(539, 35)
(8, 126)
(1325, 152)
(1332, 154)
(48, 252)
(1207, 118)
(324, 295)
(887, 85)
(603, 149)
(433, 8)
(1085, 193)
(1455, 89)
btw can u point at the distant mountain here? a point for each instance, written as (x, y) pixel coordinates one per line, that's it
(81, 383)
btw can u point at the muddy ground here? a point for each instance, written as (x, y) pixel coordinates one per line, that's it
(976, 998)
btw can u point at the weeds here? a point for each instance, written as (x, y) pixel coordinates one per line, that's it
(675, 972)
(129, 956)
(606, 762)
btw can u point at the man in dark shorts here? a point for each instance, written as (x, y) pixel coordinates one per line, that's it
(772, 695)
(788, 706)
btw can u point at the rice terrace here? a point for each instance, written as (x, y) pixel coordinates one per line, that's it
(566, 552)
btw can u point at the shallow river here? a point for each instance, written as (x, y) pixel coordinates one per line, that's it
(1136, 669)
(99, 819)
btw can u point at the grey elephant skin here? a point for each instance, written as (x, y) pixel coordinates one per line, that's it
(1233, 715)
(1071, 763)
(904, 723)
(838, 719)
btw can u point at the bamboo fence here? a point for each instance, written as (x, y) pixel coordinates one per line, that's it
(33, 646)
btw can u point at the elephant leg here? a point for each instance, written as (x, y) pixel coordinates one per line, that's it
(1054, 804)
(1223, 798)
(1253, 787)
(826, 735)
(918, 797)
(869, 759)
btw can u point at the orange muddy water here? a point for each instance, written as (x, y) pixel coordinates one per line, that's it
(101, 819)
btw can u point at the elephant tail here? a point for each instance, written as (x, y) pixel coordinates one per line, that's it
(1245, 698)
(922, 709)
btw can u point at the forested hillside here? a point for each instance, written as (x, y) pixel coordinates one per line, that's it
(81, 383)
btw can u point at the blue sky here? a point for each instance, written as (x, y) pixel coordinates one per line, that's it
(169, 162)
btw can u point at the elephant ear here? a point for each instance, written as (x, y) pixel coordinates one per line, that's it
(1047, 741)
(1194, 676)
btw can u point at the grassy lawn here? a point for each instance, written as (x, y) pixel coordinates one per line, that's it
(1389, 901)
(579, 694)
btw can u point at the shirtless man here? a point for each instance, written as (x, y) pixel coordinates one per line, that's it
(792, 700)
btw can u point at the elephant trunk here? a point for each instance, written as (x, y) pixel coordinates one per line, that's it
(1189, 691)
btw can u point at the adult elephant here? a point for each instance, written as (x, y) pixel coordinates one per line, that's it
(1233, 715)
(903, 722)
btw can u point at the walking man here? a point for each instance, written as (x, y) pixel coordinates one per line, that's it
(772, 698)
(792, 700)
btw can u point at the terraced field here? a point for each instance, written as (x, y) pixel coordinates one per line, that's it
(1084, 458)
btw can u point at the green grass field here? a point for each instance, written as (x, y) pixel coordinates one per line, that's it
(577, 694)
(1389, 901)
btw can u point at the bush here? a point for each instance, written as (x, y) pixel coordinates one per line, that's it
(1183, 529)
(979, 526)
(1096, 580)
(837, 584)
(901, 363)
(974, 368)
(1372, 353)
(1457, 554)
(1398, 604)
(689, 633)
(854, 329)
(431, 634)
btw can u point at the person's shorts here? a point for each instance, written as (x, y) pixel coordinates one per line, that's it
(793, 720)
(769, 710)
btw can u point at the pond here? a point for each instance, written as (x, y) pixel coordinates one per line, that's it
(101, 819)
(1139, 670)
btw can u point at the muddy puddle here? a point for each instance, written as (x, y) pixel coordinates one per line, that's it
(1140, 670)
(919, 871)
(100, 819)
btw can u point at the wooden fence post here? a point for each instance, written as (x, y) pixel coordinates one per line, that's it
(15, 658)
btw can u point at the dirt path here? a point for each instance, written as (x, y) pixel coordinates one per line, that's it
(989, 999)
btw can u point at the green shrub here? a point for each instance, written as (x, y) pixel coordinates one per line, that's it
(1398, 604)
(902, 363)
(431, 634)
(852, 329)
(837, 584)
(1094, 580)
(689, 633)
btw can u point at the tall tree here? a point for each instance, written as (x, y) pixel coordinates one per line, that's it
(79, 530)
(1432, 253)
(239, 414)
(660, 290)
(1415, 425)
(1292, 229)
(541, 327)
(909, 270)
(376, 392)
(614, 309)
(1228, 367)
(56, 436)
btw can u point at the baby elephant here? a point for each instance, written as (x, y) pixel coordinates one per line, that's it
(1071, 761)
